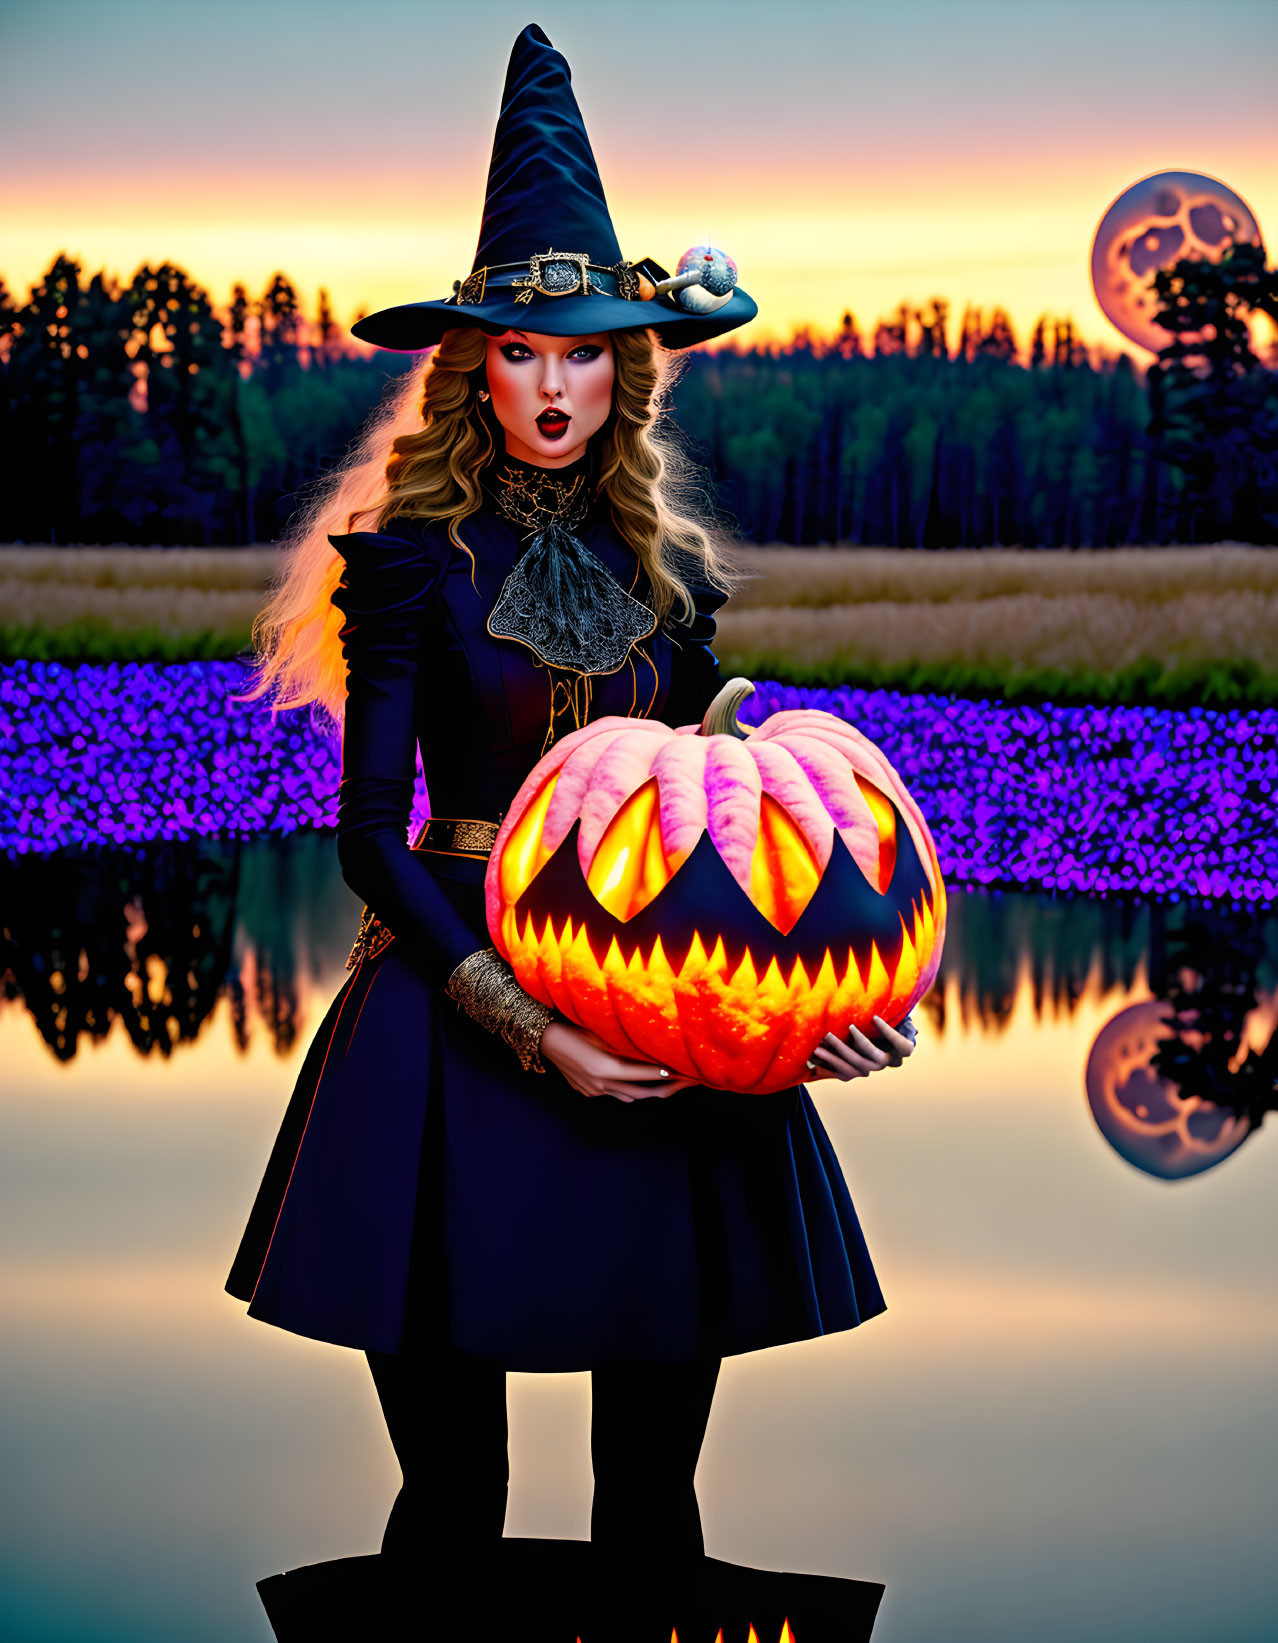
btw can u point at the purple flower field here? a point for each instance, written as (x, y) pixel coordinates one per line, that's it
(1155, 801)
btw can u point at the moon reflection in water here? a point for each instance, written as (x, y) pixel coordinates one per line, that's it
(1144, 1116)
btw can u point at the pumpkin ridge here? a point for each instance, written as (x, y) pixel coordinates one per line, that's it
(837, 737)
(680, 768)
(619, 772)
(574, 783)
(846, 805)
(686, 1003)
(783, 1040)
(613, 989)
(734, 787)
(784, 777)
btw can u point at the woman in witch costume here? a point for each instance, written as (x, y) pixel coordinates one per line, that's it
(465, 1183)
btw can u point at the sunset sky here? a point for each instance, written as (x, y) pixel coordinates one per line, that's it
(847, 154)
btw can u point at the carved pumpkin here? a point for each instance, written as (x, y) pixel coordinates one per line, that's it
(717, 898)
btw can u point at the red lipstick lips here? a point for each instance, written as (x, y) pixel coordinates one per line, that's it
(553, 423)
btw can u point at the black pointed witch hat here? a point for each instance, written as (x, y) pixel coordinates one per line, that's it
(548, 259)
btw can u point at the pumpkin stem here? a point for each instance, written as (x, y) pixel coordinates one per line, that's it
(721, 716)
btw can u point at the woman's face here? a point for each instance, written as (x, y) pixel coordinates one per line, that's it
(550, 393)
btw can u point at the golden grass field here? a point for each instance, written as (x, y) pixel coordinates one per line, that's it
(872, 576)
(881, 613)
(228, 570)
(1137, 621)
(121, 602)
(1112, 621)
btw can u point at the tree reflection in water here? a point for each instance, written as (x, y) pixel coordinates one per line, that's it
(156, 937)
(95, 937)
(1218, 977)
(1058, 940)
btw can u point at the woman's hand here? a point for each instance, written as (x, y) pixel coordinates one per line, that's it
(858, 1055)
(592, 1068)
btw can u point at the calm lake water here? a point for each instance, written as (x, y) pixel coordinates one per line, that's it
(1062, 1428)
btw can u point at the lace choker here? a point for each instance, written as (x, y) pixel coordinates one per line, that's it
(560, 599)
(532, 497)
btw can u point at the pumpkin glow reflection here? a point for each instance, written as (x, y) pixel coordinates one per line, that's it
(717, 900)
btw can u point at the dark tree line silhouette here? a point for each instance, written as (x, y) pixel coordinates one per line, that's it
(138, 414)
(141, 413)
(1213, 405)
(915, 449)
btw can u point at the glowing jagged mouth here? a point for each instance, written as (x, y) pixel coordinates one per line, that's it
(701, 979)
(703, 896)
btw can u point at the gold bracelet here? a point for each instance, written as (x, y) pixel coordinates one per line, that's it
(484, 985)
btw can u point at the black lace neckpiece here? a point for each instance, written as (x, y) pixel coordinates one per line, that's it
(531, 497)
(561, 600)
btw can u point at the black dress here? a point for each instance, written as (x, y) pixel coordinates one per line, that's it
(422, 1182)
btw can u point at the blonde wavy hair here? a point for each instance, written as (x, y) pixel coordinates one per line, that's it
(440, 443)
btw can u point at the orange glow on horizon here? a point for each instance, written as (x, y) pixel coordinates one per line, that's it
(811, 245)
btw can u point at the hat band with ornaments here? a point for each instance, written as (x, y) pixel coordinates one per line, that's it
(543, 184)
(710, 273)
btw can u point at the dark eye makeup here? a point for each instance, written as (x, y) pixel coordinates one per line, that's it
(516, 351)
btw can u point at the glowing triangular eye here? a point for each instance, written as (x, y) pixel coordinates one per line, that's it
(630, 866)
(885, 820)
(783, 870)
(524, 854)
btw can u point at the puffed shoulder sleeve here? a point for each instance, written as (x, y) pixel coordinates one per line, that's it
(389, 585)
(695, 678)
(388, 594)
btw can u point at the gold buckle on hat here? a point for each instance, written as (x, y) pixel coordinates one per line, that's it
(553, 274)
(556, 274)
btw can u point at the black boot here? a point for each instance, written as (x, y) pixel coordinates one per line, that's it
(647, 1426)
(446, 1414)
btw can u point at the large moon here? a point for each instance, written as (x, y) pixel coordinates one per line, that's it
(1152, 225)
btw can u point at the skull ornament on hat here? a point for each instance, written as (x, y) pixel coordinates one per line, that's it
(548, 259)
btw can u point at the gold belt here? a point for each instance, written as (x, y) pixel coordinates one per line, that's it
(443, 835)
